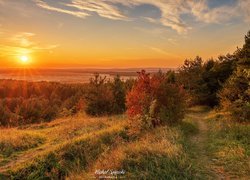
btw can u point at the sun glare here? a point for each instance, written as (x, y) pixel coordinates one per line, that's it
(24, 59)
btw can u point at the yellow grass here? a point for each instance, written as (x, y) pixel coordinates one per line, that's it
(20, 145)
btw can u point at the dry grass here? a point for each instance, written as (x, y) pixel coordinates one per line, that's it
(229, 145)
(76, 147)
(20, 145)
(154, 155)
(56, 162)
(13, 140)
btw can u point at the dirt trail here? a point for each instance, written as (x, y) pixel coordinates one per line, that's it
(23, 157)
(201, 155)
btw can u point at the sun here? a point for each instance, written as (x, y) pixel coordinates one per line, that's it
(24, 59)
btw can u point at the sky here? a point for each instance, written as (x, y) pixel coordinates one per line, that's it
(118, 33)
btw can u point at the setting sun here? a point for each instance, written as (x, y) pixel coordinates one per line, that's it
(124, 89)
(24, 59)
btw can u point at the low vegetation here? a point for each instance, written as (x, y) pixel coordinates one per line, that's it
(77, 147)
(15, 141)
(154, 101)
(229, 145)
(161, 136)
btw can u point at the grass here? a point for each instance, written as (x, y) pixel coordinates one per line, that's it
(57, 162)
(23, 145)
(229, 145)
(157, 154)
(12, 141)
(204, 146)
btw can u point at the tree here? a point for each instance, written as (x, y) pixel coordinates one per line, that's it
(99, 97)
(118, 91)
(203, 80)
(155, 101)
(190, 78)
(235, 96)
(138, 99)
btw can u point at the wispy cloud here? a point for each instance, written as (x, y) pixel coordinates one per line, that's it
(102, 8)
(22, 43)
(203, 13)
(244, 6)
(23, 39)
(163, 52)
(171, 10)
(44, 5)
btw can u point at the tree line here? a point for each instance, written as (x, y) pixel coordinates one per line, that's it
(150, 100)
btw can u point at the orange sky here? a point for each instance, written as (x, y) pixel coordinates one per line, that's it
(119, 33)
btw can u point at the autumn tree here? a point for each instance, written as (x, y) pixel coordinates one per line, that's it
(155, 101)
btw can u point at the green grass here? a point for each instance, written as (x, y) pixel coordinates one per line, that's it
(229, 145)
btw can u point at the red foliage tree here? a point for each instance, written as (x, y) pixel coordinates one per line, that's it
(156, 98)
(138, 99)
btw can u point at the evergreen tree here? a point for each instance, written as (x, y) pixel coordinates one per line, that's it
(119, 95)
(235, 97)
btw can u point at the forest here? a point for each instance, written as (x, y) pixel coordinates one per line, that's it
(221, 82)
(155, 103)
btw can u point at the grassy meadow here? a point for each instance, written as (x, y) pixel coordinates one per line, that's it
(192, 123)
(201, 147)
(124, 89)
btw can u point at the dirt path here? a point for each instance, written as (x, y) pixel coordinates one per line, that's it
(200, 153)
(23, 157)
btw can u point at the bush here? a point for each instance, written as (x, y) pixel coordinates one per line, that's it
(105, 97)
(99, 97)
(155, 101)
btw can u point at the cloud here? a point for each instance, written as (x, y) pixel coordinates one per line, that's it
(153, 31)
(163, 52)
(158, 50)
(244, 7)
(22, 43)
(172, 11)
(23, 39)
(203, 13)
(102, 8)
(44, 5)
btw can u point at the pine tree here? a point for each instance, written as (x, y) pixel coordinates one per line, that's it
(235, 97)
(119, 95)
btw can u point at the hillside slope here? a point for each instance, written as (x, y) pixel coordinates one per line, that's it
(203, 146)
